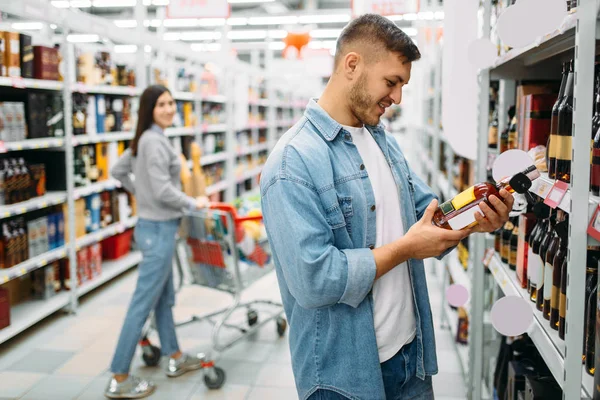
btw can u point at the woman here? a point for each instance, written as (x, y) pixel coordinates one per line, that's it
(160, 204)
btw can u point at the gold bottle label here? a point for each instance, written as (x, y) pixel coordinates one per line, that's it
(463, 198)
(555, 299)
(552, 146)
(562, 306)
(564, 147)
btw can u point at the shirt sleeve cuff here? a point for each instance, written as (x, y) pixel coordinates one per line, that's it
(361, 275)
(191, 204)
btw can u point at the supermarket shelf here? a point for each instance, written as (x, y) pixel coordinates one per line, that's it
(443, 186)
(462, 351)
(550, 346)
(102, 234)
(111, 269)
(249, 174)
(214, 158)
(211, 128)
(26, 314)
(32, 264)
(106, 89)
(257, 125)
(49, 199)
(98, 187)
(542, 185)
(253, 149)
(220, 99)
(31, 144)
(285, 123)
(550, 45)
(260, 103)
(457, 271)
(174, 132)
(102, 138)
(185, 96)
(217, 187)
(23, 83)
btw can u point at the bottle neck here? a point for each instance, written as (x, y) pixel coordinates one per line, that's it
(569, 86)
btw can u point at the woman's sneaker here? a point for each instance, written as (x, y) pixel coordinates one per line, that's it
(131, 388)
(183, 364)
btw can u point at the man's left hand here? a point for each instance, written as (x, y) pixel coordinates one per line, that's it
(493, 220)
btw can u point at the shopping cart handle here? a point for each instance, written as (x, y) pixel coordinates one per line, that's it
(231, 209)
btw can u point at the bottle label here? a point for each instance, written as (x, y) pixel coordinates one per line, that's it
(447, 207)
(548, 287)
(464, 219)
(555, 298)
(562, 305)
(552, 146)
(513, 255)
(493, 135)
(564, 146)
(536, 270)
(464, 198)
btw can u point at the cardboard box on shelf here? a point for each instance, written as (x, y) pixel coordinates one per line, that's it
(12, 58)
(79, 219)
(43, 283)
(26, 54)
(102, 161)
(536, 119)
(95, 259)
(4, 308)
(46, 63)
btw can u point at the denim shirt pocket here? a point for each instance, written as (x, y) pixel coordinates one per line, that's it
(347, 212)
(339, 218)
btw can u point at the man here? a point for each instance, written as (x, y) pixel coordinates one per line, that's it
(349, 225)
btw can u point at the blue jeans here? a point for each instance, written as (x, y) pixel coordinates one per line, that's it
(399, 379)
(154, 291)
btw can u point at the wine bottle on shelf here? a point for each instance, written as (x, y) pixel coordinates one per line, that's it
(562, 230)
(549, 266)
(505, 240)
(543, 249)
(591, 297)
(504, 136)
(498, 240)
(534, 232)
(595, 124)
(493, 131)
(513, 134)
(552, 139)
(459, 212)
(565, 131)
(562, 303)
(513, 244)
(535, 261)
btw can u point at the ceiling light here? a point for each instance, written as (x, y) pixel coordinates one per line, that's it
(27, 26)
(322, 44)
(53, 26)
(410, 31)
(325, 33)
(206, 46)
(83, 38)
(61, 3)
(249, 1)
(155, 23)
(283, 20)
(171, 36)
(438, 15)
(277, 34)
(81, 3)
(323, 19)
(211, 22)
(147, 48)
(426, 15)
(160, 2)
(199, 35)
(247, 35)
(395, 17)
(125, 48)
(180, 22)
(276, 46)
(114, 3)
(125, 23)
(237, 21)
(410, 17)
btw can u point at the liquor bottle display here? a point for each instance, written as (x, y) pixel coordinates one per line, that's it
(549, 267)
(562, 303)
(504, 136)
(589, 327)
(552, 139)
(595, 185)
(565, 131)
(459, 212)
(513, 135)
(513, 245)
(493, 131)
(506, 233)
(535, 267)
(543, 249)
(557, 265)
(530, 238)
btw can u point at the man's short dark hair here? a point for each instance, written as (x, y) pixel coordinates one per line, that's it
(376, 33)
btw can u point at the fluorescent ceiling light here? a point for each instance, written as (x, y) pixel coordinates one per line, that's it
(276, 46)
(27, 26)
(125, 23)
(81, 3)
(323, 19)
(199, 35)
(410, 17)
(211, 22)
(395, 17)
(53, 26)
(61, 3)
(249, 1)
(153, 22)
(180, 22)
(147, 48)
(248, 35)
(160, 2)
(321, 44)
(438, 15)
(113, 3)
(75, 38)
(410, 31)
(237, 21)
(171, 36)
(426, 15)
(282, 20)
(325, 33)
(125, 48)
(277, 34)
(206, 46)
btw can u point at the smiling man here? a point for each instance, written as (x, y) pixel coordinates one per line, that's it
(349, 225)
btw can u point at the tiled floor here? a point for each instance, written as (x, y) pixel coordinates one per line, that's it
(66, 357)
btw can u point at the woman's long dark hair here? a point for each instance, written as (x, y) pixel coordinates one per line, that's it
(146, 113)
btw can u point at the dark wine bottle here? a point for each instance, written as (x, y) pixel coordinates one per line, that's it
(543, 249)
(557, 264)
(552, 139)
(565, 131)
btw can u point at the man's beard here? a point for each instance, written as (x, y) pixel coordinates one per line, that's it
(361, 104)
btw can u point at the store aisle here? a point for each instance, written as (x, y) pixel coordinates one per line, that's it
(67, 357)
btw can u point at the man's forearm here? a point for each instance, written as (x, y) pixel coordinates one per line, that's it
(391, 255)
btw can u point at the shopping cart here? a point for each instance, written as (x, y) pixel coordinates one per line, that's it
(220, 254)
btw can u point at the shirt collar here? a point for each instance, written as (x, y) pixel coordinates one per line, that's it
(157, 129)
(329, 127)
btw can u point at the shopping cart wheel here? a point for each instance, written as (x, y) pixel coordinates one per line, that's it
(252, 317)
(151, 356)
(217, 380)
(281, 326)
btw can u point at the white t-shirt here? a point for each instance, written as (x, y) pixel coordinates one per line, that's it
(394, 315)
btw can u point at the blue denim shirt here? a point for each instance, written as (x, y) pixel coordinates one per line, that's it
(316, 202)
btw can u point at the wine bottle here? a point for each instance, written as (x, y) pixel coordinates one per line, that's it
(504, 136)
(549, 267)
(543, 249)
(562, 303)
(459, 212)
(513, 134)
(493, 131)
(535, 262)
(591, 289)
(557, 264)
(505, 240)
(530, 239)
(565, 131)
(552, 139)
(595, 127)
(498, 241)
(513, 245)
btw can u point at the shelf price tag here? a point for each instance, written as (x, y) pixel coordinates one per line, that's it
(594, 226)
(2, 147)
(22, 271)
(487, 258)
(5, 279)
(42, 263)
(556, 194)
(17, 82)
